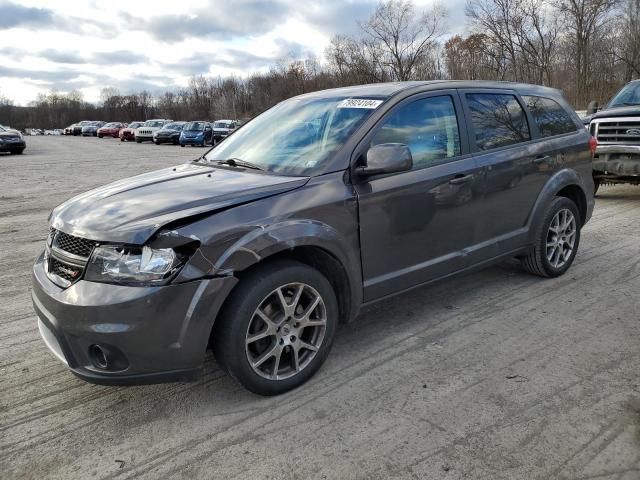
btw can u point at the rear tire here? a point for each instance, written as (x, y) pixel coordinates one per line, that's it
(556, 241)
(596, 186)
(138, 140)
(277, 327)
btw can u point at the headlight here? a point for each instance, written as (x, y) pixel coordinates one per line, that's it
(133, 265)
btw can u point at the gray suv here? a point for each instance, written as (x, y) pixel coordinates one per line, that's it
(327, 202)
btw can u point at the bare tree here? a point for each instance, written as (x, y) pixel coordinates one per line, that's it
(627, 46)
(586, 22)
(521, 32)
(402, 39)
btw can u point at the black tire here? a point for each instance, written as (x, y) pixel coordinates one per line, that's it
(536, 261)
(182, 145)
(17, 152)
(122, 139)
(138, 140)
(232, 327)
(99, 136)
(596, 186)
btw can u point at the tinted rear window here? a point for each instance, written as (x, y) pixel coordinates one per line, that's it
(550, 117)
(498, 120)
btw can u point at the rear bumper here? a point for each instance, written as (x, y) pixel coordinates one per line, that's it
(150, 334)
(611, 161)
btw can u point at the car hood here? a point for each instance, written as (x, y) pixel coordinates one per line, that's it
(627, 111)
(133, 209)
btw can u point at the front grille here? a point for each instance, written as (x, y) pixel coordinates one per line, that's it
(619, 131)
(66, 257)
(70, 244)
(69, 272)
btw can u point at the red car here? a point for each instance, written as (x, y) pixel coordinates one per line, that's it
(129, 133)
(111, 129)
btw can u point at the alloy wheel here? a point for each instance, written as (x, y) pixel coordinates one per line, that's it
(561, 238)
(286, 331)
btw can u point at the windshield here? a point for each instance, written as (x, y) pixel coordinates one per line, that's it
(296, 136)
(173, 126)
(194, 126)
(153, 124)
(135, 125)
(2, 129)
(221, 125)
(629, 95)
(110, 125)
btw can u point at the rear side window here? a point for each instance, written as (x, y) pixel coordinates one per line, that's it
(498, 120)
(429, 128)
(550, 117)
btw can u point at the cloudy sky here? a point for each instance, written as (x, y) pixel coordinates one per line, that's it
(157, 45)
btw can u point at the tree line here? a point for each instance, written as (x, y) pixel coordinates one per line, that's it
(587, 48)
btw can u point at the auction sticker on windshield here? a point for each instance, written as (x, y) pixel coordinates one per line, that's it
(359, 103)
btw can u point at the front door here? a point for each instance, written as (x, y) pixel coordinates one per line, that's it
(415, 225)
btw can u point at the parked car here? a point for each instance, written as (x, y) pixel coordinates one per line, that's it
(223, 128)
(170, 133)
(321, 204)
(146, 131)
(129, 133)
(91, 130)
(111, 129)
(77, 128)
(69, 130)
(196, 133)
(11, 141)
(616, 127)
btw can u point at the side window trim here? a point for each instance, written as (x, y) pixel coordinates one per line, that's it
(473, 147)
(465, 150)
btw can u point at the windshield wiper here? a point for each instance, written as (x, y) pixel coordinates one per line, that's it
(237, 162)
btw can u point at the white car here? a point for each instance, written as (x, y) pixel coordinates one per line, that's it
(146, 131)
(223, 128)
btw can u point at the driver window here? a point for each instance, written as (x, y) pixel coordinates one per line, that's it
(429, 128)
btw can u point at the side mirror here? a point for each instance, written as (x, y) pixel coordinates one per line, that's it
(387, 158)
(592, 107)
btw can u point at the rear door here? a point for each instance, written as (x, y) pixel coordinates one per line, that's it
(514, 165)
(415, 225)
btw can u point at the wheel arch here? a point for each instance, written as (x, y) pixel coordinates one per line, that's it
(565, 183)
(309, 242)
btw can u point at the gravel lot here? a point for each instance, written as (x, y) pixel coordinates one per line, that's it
(495, 375)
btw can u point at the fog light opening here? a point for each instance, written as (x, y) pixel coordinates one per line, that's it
(99, 356)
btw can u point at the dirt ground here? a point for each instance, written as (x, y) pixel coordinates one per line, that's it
(493, 375)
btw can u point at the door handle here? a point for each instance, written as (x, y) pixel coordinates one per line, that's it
(541, 159)
(458, 179)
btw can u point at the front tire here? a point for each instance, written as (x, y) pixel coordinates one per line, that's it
(556, 241)
(277, 327)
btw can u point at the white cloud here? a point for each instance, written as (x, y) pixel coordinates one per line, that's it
(83, 45)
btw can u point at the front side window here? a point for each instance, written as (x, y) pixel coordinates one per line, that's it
(429, 127)
(498, 120)
(550, 117)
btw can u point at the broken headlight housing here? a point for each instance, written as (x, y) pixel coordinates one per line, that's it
(133, 265)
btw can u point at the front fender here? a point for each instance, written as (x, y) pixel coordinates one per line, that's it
(262, 242)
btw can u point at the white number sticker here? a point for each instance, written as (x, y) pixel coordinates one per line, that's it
(359, 103)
